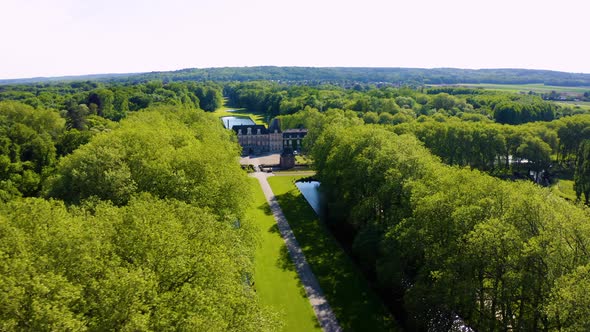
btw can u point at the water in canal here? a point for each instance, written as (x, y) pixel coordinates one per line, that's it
(311, 192)
(230, 121)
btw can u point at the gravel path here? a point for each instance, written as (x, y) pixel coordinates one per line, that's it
(320, 305)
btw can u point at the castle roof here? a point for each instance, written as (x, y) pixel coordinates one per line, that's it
(295, 131)
(254, 129)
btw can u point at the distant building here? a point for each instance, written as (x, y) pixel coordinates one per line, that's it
(292, 138)
(256, 139)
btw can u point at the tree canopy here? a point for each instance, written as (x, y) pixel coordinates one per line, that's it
(169, 153)
(150, 265)
(144, 228)
(453, 241)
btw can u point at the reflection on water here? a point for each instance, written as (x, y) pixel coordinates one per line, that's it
(230, 121)
(310, 191)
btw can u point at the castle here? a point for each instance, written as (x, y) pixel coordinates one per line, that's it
(257, 139)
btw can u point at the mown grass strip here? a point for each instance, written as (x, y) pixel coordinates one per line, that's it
(356, 307)
(276, 281)
(225, 110)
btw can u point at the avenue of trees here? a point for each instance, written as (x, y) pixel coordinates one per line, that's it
(452, 241)
(474, 141)
(457, 124)
(130, 226)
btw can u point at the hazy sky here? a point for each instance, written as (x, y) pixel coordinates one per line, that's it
(67, 37)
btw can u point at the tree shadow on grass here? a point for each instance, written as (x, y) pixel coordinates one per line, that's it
(266, 209)
(284, 260)
(355, 305)
(286, 263)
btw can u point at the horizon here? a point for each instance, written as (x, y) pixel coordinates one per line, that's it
(263, 66)
(70, 38)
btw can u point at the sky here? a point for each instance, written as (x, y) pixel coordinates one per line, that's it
(75, 37)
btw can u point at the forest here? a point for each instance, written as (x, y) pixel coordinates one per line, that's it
(124, 202)
(130, 225)
(338, 75)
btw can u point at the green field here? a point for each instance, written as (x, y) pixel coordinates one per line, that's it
(581, 104)
(565, 189)
(276, 281)
(225, 110)
(356, 307)
(539, 88)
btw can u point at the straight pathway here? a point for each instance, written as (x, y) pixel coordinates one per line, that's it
(320, 305)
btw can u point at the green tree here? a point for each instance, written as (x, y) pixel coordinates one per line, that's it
(170, 153)
(570, 303)
(536, 152)
(582, 172)
(371, 117)
(151, 265)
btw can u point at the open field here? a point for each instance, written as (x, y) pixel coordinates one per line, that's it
(539, 88)
(582, 104)
(276, 281)
(355, 305)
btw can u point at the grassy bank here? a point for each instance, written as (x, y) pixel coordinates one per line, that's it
(355, 305)
(565, 189)
(275, 278)
(225, 110)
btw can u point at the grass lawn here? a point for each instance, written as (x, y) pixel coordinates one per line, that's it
(565, 189)
(356, 307)
(276, 281)
(295, 172)
(258, 118)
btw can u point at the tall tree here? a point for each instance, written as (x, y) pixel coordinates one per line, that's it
(582, 172)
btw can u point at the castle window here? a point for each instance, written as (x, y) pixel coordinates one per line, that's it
(249, 131)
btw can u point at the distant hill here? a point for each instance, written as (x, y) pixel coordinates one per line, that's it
(94, 77)
(339, 75)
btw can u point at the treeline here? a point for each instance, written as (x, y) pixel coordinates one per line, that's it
(379, 104)
(383, 104)
(343, 76)
(515, 109)
(139, 225)
(114, 101)
(487, 145)
(453, 242)
(506, 151)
